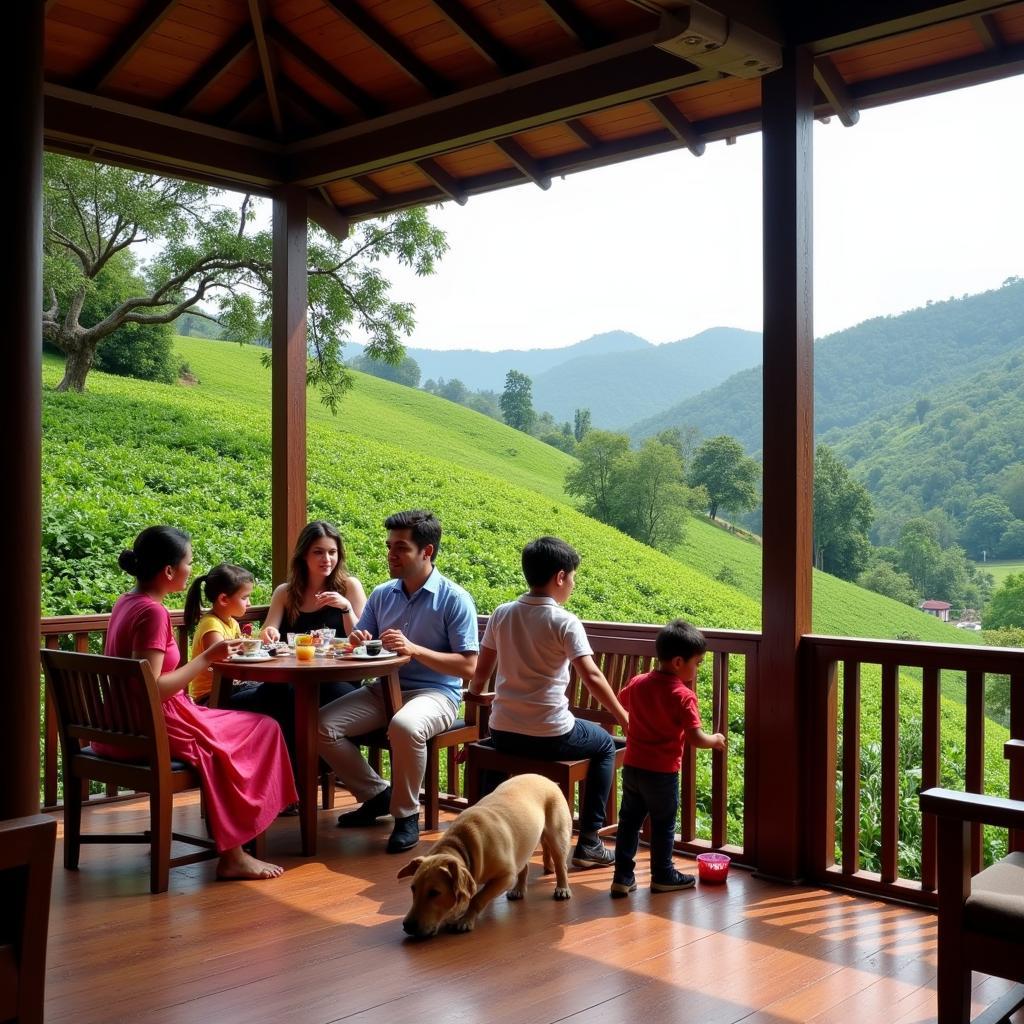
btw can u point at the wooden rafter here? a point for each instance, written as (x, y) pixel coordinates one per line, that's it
(443, 180)
(580, 28)
(832, 84)
(678, 124)
(987, 28)
(221, 62)
(367, 184)
(387, 43)
(129, 40)
(526, 163)
(583, 133)
(326, 72)
(486, 44)
(328, 216)
(231, 112)
(324, 116)
(257, 17)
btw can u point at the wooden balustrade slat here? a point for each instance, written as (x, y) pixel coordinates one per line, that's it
(974, 758)
(688, 796)
(890, 771)
(750, 752)
(851, 768)
(719, 761)
(930, 740)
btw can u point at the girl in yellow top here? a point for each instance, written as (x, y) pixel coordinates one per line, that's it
(228, 589)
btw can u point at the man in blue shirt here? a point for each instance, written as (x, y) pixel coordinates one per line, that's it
(424, 615)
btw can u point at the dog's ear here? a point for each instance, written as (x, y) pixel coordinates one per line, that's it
(462, 881)
(410, 868)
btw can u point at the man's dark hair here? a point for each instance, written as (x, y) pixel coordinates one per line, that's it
(679, 639)
(545, 556)
(422, 525)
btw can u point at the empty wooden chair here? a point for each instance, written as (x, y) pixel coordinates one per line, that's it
(981, 919)
(116, 701)
(26, 867)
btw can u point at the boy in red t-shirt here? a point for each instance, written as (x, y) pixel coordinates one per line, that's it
(663, 716)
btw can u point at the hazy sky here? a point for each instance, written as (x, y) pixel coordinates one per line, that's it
(920, 200)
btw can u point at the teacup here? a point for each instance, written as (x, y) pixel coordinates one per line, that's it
(373, 647)
(251, 645)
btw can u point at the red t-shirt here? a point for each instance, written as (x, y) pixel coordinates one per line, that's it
(138, 623)
(661, 709)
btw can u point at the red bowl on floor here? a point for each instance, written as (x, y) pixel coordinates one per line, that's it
(712, 867)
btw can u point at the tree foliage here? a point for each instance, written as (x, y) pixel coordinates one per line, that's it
(581, 424)
(209, 252)
(842, 517)
(406, 371)
(727, 475)
(517, 401)
(1006, 610)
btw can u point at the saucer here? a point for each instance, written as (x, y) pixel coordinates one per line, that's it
(361, 654)
(260, 656)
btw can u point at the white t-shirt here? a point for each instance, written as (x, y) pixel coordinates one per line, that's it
(535, 639)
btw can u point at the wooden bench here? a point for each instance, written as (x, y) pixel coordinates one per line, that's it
(619, 658)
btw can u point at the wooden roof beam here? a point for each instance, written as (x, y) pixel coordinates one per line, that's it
(443, 180)
(526, 163)
(231, 112)
(327, 216)
(832, 84)
(488, 46)
(326, 72)
(622, 72)
(583, 133)
(987, 28)
(588, 35)
(325, 117)
(128, 41)
(415, 68)
(256, 16)
(678, 124)
(221, 62)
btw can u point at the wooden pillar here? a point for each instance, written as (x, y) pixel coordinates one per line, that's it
(787, 97)
(288, 394)
(21, 416)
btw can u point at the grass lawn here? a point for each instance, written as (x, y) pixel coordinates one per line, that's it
(1000, 570)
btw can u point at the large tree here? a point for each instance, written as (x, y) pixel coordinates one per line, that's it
(209, 253)
(517, 401)
(593, 477)
(1007, 607)
(842, 517)
(728, 475)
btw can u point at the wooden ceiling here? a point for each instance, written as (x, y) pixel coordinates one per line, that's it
(375, 105)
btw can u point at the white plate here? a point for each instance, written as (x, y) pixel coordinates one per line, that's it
(262, 656)
(361, 654)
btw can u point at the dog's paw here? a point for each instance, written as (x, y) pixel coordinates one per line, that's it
(464, 924)
(563, 894)
(515, 894)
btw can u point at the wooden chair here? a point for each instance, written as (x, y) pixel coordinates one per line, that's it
(981, 919)
(116, 701)
(26, 867)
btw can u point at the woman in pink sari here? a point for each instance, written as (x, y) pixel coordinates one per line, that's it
(241, 757)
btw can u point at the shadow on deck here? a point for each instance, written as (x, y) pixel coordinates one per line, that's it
(324, 943)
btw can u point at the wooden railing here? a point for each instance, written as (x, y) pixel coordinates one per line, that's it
(85, 632)
(835, 751)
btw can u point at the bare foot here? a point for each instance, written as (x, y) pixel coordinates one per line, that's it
(237, 863)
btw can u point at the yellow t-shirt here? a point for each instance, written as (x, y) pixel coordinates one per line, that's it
(200, 686)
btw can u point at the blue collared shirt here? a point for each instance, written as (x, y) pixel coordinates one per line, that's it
(440, 616)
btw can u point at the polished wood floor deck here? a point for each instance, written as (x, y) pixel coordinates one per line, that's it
(324, 943)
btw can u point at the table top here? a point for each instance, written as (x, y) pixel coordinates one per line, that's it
(288, 668)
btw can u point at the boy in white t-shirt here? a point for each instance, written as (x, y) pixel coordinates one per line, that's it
(533, 641)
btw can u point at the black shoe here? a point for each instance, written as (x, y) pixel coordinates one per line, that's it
(673, 882)
(592, 853)
(372, 809)
(405, 835)
(622, 888)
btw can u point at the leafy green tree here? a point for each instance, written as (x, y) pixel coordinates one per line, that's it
(593, 478)
(882, 578)
(485, 402)
(517, 401)
(454, 390)
(651, 498)
(406, 371)
(987, 520)
(919, 553)
(727, 474)
(1011, 488)
(842, 517)
(581, 424)
(921, 408)
(1011, 544)
(1006, 610)
(208, 252)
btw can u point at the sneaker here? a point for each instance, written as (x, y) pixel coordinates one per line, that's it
(621, 889)
(405, 835)
(592, 853)
(372, 809)
(673, 882)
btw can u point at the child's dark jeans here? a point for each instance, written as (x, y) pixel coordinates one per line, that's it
(657, 794)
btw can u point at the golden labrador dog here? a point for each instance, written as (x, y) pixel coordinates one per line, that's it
(487, 849)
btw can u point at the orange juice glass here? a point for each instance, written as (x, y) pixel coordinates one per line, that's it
(305, 652)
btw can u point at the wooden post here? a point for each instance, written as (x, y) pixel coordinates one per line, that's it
(288, 389)
(787, 97)
(21, 418)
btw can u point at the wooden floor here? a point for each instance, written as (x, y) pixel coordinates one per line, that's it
(324, 943)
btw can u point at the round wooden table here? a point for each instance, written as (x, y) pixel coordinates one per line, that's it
(305, 678)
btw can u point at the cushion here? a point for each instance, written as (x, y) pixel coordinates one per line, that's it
(176, 766)
(996, 903)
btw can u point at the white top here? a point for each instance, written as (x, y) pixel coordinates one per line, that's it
(535, 639)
